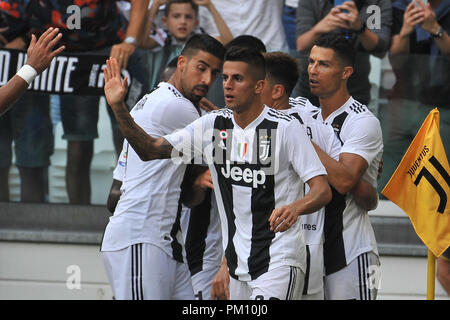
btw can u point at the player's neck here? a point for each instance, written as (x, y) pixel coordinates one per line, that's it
(334, 102)
(175, 80)
(281, 104)
(245, 116)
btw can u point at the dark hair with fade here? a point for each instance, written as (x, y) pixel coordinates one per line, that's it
(247, 41)
(203, 42)
(170, 2)
(254, 58)
(342, 47)
(282, 69)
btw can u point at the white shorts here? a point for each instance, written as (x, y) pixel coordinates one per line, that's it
(282, 283)
(201, 282)
(359, 280)
(313, 288)
(144, 271)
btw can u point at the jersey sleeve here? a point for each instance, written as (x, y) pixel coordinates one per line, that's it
(302, 154)
(189, 140)
(364, 138)
(177, 114)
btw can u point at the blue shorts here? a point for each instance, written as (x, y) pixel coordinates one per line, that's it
(79, 117)
(28, 124)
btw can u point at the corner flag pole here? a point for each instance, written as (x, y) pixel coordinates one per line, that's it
(431, 275)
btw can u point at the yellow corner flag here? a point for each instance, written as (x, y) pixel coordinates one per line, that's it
(420, 186)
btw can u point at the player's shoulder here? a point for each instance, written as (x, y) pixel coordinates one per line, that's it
(224, 113)
(298, 101)
(278, 116)
(166, 93)
(356, 109)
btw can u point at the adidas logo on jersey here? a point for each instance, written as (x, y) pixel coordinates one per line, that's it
(249, 176)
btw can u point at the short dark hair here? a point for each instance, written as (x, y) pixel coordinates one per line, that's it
(343, 48)
(170, 2)
(173, 63)
(252, 57)
(247, 41)
(282, 69)
(205, 43)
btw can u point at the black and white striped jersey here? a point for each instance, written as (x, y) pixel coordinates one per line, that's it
(348, 231)
(149, 209)
(254, 169)
(322, 135)
(202, 235)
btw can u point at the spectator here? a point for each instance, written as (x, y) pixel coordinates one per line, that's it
(261, 18)
(103, 31)
(28, 125)
(289, 17)
(368, 30)
(180, 20)
(419, 56)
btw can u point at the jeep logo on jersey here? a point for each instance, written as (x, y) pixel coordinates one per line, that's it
(249, 176)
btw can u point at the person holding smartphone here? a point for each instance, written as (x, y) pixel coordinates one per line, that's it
(366, 23)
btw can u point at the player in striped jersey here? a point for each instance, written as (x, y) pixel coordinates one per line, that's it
(142, 245)
(200, 224)
(259, 159)
(350, 249)
(281, 77)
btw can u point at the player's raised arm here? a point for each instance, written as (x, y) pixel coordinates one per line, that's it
(147, 147)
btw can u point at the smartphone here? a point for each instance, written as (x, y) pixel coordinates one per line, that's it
(423, 1)
(339, 2)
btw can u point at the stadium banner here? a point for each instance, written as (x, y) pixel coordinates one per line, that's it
(420, 186)
(79, 74)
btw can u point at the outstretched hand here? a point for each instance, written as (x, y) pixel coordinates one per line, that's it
(115, 89)
(40, 53)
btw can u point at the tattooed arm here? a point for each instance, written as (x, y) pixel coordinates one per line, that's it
(147, 147)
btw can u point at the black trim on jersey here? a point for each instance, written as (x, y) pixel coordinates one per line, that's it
(333, 246)
(199, 220)
(308, 270)
(222, 122)
(297, 116)
(357, 107)
(337, 123)
(177, 249)
(279, 115)
(262, 205)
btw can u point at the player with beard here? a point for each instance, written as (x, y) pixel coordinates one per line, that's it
(142, 243)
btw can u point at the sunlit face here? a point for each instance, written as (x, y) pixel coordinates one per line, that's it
(239, 85)
(325, 72)
(198, 74)
(181, 20)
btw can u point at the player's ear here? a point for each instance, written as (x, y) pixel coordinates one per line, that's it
(348, 71)
(278, 91)
(181, 62)
(259, 86)
(164, 20)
